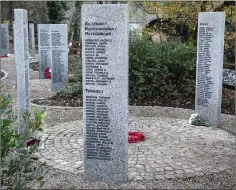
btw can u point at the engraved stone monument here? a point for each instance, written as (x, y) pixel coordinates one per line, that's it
(44, 48)
(59, 56)
(210, 50)
(4, 39)
(105, 92)
(31, 40)
(21, 51)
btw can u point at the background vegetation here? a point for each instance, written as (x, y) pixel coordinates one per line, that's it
(160, 74)
(164, 70)
(181, 17)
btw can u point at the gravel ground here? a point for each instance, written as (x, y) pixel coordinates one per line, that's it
(9, 83)
(57, 179)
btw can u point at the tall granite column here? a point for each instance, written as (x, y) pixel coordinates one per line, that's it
(210, 53)
(105, 92)
(31, 40)
(21, 51)
(59, 41)
(4, 39)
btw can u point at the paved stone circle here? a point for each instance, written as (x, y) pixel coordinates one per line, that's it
(172, 149)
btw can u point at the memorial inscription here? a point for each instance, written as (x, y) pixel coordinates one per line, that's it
(210, 50)
(105, 91)
(204, 82)
(44, 41)
(98, 136)
(53, 53)
(59, 56)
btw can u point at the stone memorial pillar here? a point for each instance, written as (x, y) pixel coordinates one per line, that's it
(44, 48)
(31, 40)
(59, 43)
(210, 52)
(21, 51)
(105, 92)
(4, 39)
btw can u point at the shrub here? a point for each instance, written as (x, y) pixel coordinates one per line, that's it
(155, 71)
(19, 166)
(56, 11)
(160, 70)
(74, 86)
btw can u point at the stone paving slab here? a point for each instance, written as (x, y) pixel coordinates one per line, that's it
(172, 149)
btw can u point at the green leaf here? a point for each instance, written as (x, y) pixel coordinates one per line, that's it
(41, 183)
(40, 178)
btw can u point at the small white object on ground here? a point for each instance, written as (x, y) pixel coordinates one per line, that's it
(192, 118)
(197, 121)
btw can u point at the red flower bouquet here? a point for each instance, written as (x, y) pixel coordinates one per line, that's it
(135, 137)
(47, 73)
(32, 141)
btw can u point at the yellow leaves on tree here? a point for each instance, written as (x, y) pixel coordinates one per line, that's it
(186, 13)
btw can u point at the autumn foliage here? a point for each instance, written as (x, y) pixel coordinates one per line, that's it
(185, 14)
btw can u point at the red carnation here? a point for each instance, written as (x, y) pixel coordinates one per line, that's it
(48, 72)
(32, 141)
(135, 137)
